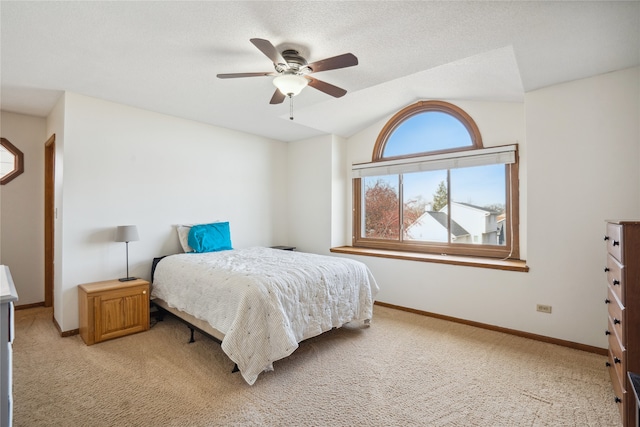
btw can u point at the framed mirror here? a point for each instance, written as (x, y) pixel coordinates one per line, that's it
(11, 161)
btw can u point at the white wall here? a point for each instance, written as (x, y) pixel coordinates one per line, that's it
(124, 165)
(22, 208)
(309, 210)
(340, 185)
(317, 193)
(583, 145)
(579, 149)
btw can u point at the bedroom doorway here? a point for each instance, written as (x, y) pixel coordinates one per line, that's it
(49, 218)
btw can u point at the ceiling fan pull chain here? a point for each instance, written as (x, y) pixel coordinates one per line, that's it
(290, 107)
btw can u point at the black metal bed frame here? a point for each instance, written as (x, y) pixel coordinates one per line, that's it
(161, 312)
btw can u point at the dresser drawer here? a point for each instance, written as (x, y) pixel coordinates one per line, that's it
(613, 238)
(618, 391)
(617, 355)
(616, 315)
(615, 274)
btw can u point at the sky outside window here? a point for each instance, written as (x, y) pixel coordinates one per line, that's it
(433, 131)
(424, 132)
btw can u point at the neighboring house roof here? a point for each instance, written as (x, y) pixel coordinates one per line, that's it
(441, 217)
(458, 230)
(480, 208)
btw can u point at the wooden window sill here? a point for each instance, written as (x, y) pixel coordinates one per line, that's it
(498, 264)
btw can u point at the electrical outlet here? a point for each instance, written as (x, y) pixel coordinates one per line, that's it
(543, 308)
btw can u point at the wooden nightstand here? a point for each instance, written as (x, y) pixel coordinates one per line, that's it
(112, 309)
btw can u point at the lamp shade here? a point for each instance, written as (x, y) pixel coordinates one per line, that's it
(290, 84)
(127, 233)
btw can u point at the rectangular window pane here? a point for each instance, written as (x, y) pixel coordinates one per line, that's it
(478, 205)
(425, 206)
(381, 214)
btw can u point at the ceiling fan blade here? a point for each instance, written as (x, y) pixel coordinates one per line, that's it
(340, 61)
(277, 97)
(325, 87)
(269, 50)
(236, 75)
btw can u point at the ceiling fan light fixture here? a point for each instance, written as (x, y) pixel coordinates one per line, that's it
(290, 84)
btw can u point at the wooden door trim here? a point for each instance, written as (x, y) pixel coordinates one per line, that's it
(49, 218)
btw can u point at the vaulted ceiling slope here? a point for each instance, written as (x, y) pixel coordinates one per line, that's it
(164, 56)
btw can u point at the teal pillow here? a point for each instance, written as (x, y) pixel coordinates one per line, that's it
(210, 237)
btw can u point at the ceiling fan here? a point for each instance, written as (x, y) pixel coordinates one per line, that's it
(293, 72)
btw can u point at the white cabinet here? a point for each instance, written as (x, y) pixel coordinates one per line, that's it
(8, 296)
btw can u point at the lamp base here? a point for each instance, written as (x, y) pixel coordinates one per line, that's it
(127, 279)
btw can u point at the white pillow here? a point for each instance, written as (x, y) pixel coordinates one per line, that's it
(183, 235)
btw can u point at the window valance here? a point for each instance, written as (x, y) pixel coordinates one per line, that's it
(505, 154)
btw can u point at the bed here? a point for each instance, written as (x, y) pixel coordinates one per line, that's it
(261, 302)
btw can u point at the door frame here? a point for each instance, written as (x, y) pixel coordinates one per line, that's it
(49, 218)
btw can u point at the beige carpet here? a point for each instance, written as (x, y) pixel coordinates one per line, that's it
(405, 370)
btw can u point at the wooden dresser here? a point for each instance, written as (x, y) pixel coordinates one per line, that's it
(113, 309)
(623, 300)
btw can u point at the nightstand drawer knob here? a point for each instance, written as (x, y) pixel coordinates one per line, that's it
(606, 238)
(144, 292)
(607, 332)
(616, 321)
(607, 364)
(616, 282)
(616, 243)
(616, 360)
(607, 301)
(606, 269)
(618, 400)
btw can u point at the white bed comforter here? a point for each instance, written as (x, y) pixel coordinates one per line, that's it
(266, 300)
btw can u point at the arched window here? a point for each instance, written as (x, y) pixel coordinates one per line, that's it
(433, 187)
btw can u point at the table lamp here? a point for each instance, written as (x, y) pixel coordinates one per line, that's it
(127, 233)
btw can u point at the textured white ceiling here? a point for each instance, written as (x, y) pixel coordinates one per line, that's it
(163, 56)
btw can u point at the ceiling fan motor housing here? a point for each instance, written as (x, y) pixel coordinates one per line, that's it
(295, 62)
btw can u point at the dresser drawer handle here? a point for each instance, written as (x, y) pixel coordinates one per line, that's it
(616, 321)
(606, 269)
(606, 238)
(616, 243)
(618, 400)
(607, 364)
(607, 301)
(616, 360)
(607, 332)
(616, 282)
